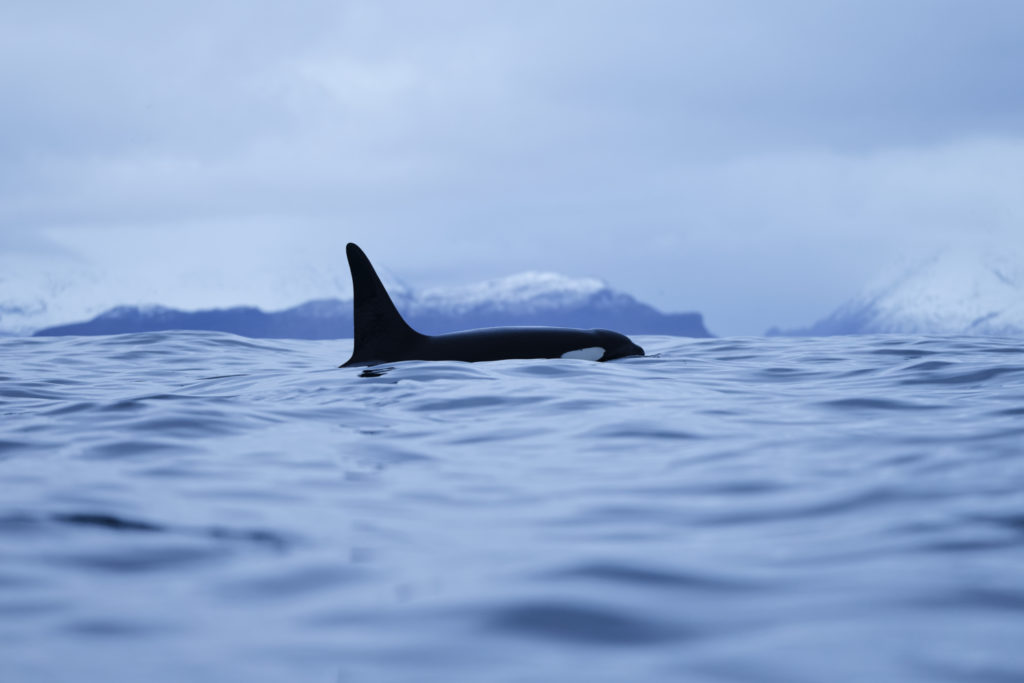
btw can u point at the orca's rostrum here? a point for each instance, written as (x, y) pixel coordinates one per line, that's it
(382, 336)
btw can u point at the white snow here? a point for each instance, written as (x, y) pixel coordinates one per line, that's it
(57, 289)
(37, 292)
(957, 291)
(530, 290)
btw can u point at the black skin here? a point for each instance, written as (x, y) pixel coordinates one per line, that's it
(382, 336)
(500, 343)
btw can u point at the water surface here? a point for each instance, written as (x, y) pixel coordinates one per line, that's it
(203, 507)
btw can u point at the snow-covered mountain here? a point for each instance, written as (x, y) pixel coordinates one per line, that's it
(53, 288)
(957, 291)
(524, 299)
(524, 292)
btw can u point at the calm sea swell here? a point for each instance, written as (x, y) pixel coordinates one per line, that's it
(202, 507)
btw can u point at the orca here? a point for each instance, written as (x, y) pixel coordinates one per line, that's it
(382, 336)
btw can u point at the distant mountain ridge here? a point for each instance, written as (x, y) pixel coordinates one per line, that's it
(961, 292)
(525, 299)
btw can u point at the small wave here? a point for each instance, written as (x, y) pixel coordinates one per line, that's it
(287, 584)
(972, 377)
(132, 448)
(930, 365)
(623, 574)
(877, 404)
(582, 624)
(120, 524)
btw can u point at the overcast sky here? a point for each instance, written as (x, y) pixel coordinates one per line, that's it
(756, 160)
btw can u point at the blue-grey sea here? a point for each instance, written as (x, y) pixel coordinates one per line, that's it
(191, 506)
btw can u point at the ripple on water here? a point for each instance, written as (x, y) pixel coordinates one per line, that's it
(638, 576)
(642, 429)
(7, 448)
(877, 404)
(133, 448)
(28, 391)
(119, 524)
(1010, 411)
(580, 624)
(473, 403)
(929, 365)
(197, 425)
(972, 377)
(137, 558)
(287, 584)
(903, 352)
(116, 629)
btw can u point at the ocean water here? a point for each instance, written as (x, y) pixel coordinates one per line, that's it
(201, 507)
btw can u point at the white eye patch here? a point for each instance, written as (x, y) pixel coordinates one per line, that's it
(589, 353)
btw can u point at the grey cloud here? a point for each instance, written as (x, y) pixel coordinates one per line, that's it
(663, 145)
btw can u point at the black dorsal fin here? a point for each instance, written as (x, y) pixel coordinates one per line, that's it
(380, 334)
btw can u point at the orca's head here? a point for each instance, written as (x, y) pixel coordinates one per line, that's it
(617, 345)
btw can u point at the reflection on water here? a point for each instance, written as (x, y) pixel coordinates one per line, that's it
(198, 506)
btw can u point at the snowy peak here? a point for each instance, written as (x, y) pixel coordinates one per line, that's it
(42, 290)
(128, 311)
(528, 291)
(957, 291)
